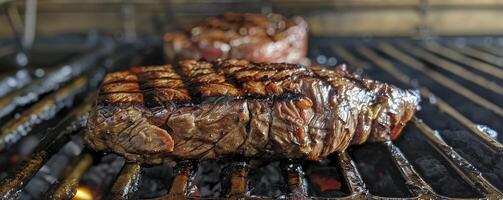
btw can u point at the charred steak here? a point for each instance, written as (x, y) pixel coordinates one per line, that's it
(206, 110)
(254, 37)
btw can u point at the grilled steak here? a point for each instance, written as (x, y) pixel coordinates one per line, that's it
(254, 37)
(206, 110)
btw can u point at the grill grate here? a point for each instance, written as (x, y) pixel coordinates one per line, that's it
(471, 73)
(66, 188)
(425, 92)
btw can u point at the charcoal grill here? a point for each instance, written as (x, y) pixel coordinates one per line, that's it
(451, 148)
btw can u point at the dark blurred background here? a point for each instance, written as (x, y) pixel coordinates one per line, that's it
(326, 18)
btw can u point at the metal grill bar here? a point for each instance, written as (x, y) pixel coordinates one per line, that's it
(13, 81)
(55, 138)
(10, 188)
(51, 104)
(181, 185)
(180, 188)
(238, 175)
(54, 79)
(482, 55)
(492, 143)
(443, 80)
(127, 182)
(45, 109)
(414, 182)
(351, 176)
(441, 104)
(470, 62)
(66, 188)
(462, 166)
(453, 68)
(182, 182)
(350, 58)
(492, 49)
(385, 64)
(297, 184)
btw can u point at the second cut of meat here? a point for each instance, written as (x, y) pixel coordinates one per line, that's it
(254, 37)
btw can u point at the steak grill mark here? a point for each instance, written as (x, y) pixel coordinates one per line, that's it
(237, 107)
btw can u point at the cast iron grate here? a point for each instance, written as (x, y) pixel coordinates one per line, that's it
(459, 84)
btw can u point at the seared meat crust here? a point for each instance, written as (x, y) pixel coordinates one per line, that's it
(206, 110)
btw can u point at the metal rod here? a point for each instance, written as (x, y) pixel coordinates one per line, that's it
(351, 176)
(482, 55)
(55, 138)
(54, 79)
(441, 104)
(466, 170)
(44, 109)
(491, 49)
(383, 63)
(14, 80)
(182, 182)
(66, 188)
(496, 146)
(350, 58)
(297, 184)
(50, 105)
(127, 182)
(238, 176)
(414, 182)
(437, 77)
(10, 187)
(15, 23)
(476, 180)
(470, 62)
(30, 22)
(452, 68)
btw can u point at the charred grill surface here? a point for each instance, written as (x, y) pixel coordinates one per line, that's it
(254, 37)
(460, 160)
(235, 107)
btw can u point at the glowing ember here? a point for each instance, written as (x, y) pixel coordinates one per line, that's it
(326, 183)
(83, 193)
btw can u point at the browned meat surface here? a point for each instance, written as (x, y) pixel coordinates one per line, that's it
(206, 110)
(253, 37)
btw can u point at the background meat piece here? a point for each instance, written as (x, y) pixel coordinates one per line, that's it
(253, 37)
